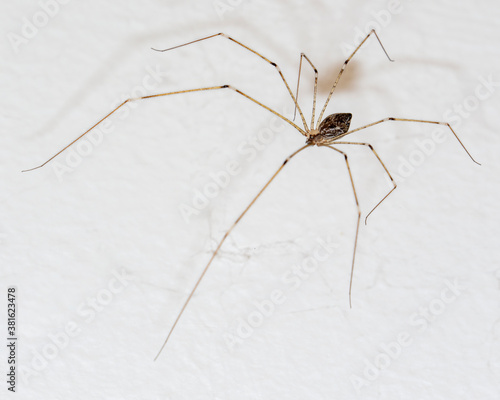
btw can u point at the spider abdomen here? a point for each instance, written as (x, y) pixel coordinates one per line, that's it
(330, 128)
(335, 124)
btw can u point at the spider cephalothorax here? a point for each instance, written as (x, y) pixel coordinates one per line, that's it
(330, 128)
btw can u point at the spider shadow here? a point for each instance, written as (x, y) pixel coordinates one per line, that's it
(346, 83)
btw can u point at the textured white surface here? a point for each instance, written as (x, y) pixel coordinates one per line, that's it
(63, 238)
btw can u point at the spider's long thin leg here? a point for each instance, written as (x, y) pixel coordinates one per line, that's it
(385, 168)
(258, 54)
(302, 55)
(410, 120)
(357, 224)
(222, 241)
(343, 68)
(168, 94)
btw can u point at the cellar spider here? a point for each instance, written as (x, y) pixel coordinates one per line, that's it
(320, 132)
